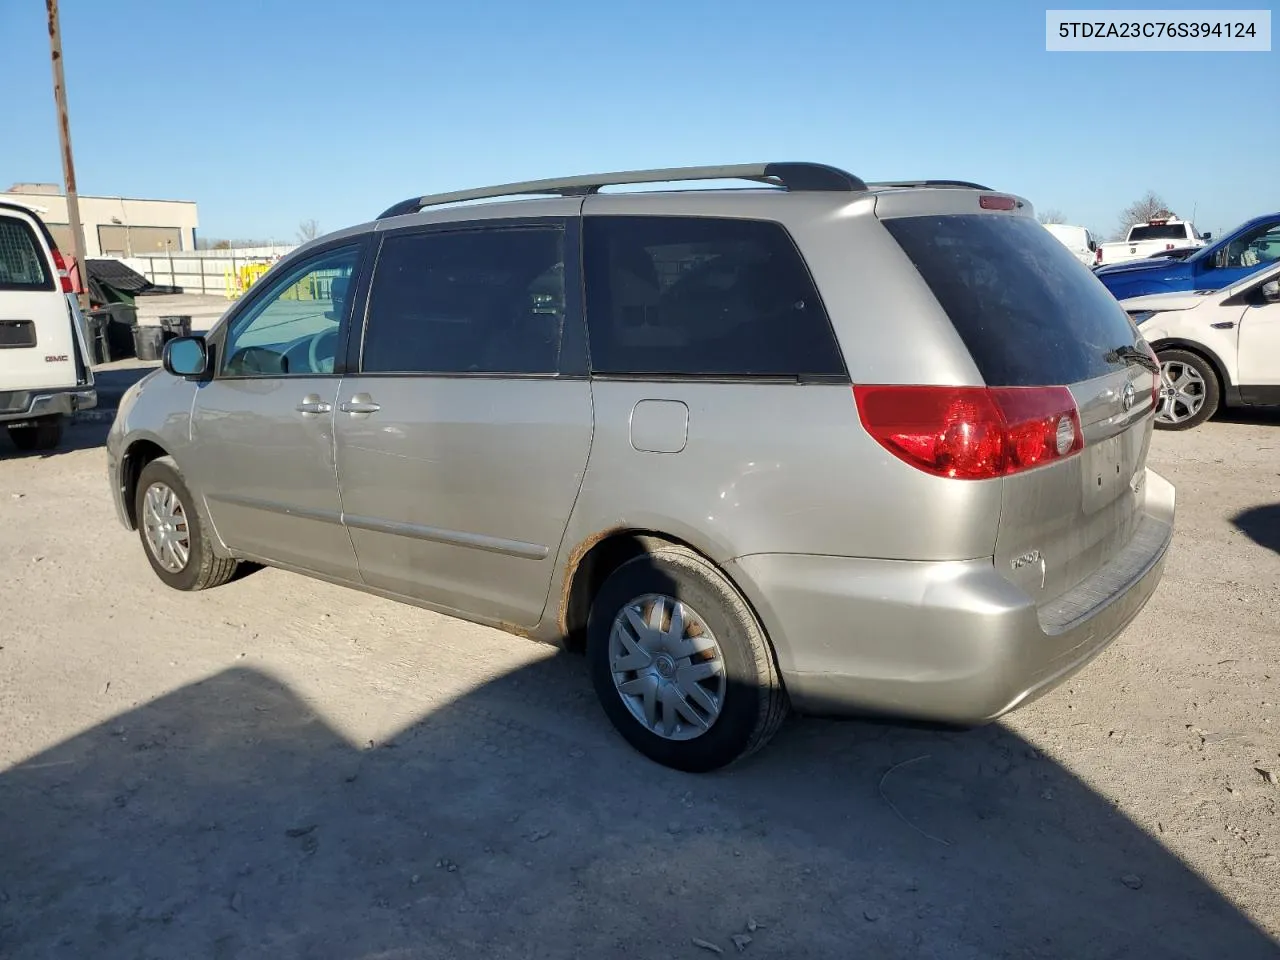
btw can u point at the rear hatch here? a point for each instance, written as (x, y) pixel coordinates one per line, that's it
(38, 342)
(1032, 316)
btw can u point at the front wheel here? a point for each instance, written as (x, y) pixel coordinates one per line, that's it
(1189, 390)
(680, 664)
(171, 532)
(43, 434)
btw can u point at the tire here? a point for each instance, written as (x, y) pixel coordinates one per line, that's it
(1176, 414)
(751, 701)
(44, 434)
(201, 568)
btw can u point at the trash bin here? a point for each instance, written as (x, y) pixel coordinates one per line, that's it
(179, 326)
(98, 323)
(120, 340)
(148, 341)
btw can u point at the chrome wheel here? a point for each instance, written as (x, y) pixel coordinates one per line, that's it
(667, 667)
(1182, 392)
(164, 524)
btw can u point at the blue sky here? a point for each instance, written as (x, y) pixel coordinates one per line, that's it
(268, 112)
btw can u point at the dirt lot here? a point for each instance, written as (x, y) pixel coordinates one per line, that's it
(281, 768)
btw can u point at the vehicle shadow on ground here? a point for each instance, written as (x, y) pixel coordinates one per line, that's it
(229, 819)
(113, 380)
(1261, 525)
(1269, 416)
(79, 435)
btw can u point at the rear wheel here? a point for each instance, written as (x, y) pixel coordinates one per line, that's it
(44, 434)
(1189, 390)
(680, 664)
(171, 532)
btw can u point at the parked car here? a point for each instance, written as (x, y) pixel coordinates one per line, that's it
(1076, 239)
(1232, 257)
(852, 448)
(1217, 348)
(1144, 239)
(45, 375)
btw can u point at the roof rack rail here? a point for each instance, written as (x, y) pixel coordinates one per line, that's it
(791, 176)
(965, 184)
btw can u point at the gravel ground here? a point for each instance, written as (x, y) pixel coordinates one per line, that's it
(283, 768)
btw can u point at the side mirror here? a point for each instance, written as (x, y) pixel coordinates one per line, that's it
(186, 357)
(1271, 291)
(1206, 236)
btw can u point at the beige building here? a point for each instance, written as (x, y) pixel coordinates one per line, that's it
(113, 226)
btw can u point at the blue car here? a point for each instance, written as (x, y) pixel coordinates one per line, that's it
(1249, 247)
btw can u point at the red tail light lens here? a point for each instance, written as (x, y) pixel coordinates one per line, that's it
(63, 274)
(990, 202)
(1155, 387)
(972, 433)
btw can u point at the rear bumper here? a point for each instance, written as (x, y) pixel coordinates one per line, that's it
(22, 405)
(949, 642)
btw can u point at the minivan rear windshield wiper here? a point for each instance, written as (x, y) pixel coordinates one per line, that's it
(1130, 355)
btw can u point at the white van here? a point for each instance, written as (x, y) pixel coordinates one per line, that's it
(45, 375)
(1076, 239)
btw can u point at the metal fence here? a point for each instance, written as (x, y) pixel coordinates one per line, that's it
(227, 273)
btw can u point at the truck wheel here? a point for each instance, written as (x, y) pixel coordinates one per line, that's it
(681, 666)
(1189, 390)
(44, 434)
(172, 536)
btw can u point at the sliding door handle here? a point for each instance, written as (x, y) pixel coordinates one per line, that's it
(360, 403)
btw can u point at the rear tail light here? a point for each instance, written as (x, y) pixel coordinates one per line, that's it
(64, 275)
(1155, 386)
(1098, 255)
(972, 433)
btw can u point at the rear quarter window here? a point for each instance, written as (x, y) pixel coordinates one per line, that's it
(22, 259)
(1028, 311)
(703, 297)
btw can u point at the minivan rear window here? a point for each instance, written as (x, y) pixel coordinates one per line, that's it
(22, 264)
(1029, 312)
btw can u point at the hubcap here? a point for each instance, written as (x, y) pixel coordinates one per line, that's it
(1182, 391)
(667, 667)
(164, 524)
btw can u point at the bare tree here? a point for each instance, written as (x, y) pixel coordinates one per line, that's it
(1052, 215)
(308, 230)
(1150, 207)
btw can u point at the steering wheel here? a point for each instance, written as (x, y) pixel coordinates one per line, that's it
(313, 353)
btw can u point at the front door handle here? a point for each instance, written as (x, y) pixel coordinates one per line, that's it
(360, 403)
(312, 404)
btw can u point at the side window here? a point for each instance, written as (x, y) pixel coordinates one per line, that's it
(292, 330)
(489, 300)
(690, 296)
(22, 263)
(1257, 248)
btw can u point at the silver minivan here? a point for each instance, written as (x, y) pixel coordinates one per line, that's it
(850, 448)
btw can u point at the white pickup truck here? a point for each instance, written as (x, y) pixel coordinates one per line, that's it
(1153, 237)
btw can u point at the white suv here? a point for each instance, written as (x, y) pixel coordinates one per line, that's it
(1216, 347)
(44, 373)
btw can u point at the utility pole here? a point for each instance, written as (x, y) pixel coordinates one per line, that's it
(68, 165)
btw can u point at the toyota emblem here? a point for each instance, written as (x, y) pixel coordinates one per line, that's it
(1129, 396)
